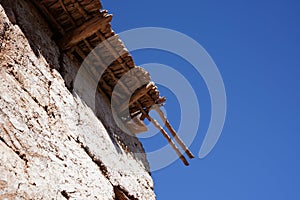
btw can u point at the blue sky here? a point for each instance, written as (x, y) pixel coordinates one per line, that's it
(256, 46)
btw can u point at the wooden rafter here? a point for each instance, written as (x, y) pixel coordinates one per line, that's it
(87, 29)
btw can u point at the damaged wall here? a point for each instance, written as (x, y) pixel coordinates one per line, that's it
(51, 143)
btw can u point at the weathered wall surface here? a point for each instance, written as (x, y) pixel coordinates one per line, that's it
(51, 143)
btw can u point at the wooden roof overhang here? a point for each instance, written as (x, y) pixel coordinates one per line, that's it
(80, 26)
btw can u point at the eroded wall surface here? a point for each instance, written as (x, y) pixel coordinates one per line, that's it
(52, 145)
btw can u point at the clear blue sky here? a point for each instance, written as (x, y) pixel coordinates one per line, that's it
(256, 46)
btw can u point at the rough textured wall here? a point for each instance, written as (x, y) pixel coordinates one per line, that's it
(51, 143)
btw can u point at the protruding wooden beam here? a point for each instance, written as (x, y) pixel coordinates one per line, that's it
(165, 134)
(87, 29)
(173, 132)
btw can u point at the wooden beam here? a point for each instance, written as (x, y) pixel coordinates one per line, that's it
(98, 57)
(53, 23)
(173, 132)
(67, 12)
(80, 9)
(87, 29)
(165, 134)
